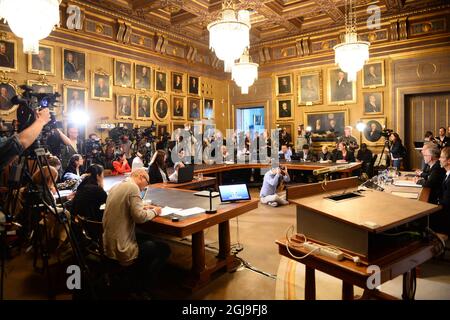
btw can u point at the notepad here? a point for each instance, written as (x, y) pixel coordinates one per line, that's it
(190, 212)
(406, 183)
(168, 210)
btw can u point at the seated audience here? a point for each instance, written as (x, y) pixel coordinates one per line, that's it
(74, 168)
(90, 194)
(364, 155)
(137, 162)
(343, 155)
(285, 152)
(272, 180)
(325, 155)
(174, 176)
(120, 164)
(429, 137)
(157, 168)
(124, 209)
(440, 221)
(306, 154)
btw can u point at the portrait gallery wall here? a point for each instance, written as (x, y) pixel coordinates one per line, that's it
(132, 92)
(324, 103)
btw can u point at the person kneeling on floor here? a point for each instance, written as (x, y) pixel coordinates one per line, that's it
(274, 179)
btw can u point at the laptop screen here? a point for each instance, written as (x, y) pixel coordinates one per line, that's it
(234, 192)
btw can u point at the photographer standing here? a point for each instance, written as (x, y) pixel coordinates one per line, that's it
(94, 151)
(125, 147)
(17, 143)
(397, 150)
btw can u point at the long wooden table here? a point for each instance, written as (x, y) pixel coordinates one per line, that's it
(196, 225)
(349, 218)
(196, 184)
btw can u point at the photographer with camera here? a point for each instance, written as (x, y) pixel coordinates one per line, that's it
(273, 179)
(16, 144)
(94, 151)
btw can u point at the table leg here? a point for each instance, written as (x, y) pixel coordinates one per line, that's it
(310, 284)
(347, 291)
(198, 253)
(225, 244)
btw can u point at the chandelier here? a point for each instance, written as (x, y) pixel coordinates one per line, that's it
(31, 20)
(230, 35)
(352, 54)
(244, 72)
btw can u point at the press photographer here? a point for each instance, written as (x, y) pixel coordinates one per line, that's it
(94, 151)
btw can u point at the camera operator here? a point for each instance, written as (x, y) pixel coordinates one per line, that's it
(94, 151)
(16, 144)
(125, 147)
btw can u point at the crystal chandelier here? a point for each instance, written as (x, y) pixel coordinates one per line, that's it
(244, 72)
(352, 54)
(230, 35)
(31, 20)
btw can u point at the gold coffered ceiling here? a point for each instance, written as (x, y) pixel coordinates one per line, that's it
(271, 19)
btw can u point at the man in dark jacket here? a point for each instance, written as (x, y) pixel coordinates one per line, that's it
(436, 174)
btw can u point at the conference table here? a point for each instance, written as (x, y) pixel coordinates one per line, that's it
(193, 225)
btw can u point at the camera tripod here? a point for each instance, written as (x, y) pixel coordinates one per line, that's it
(43, 205)
(385, 147)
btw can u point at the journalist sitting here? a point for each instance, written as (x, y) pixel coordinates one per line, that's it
(343, 155)
(137, 162)
(306, 154)
(272, 180)
(440, 221)
(120, 164)
(90, 194)
(325, 155)
(124, 209)
(285, 153)
(157, 168)
(74, 168)
(17, 143)
(436, 174)
(364, 155)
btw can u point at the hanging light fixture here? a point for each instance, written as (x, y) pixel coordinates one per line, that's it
(352, 54)
(31, 20)
(244, 72)
(230, 35)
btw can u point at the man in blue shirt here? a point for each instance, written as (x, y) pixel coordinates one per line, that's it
(287, 152)
(272, 179)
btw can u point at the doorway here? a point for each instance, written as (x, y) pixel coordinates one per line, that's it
(424, 112)
(250, 118)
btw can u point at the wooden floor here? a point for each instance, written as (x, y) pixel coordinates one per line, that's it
(258, 230)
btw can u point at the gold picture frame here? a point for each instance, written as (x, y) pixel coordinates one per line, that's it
(208, 112)
(140, 83)
(289, 128)
(160, 81)
(373, 103)
(5, 62)
(161, 109)
(175, 109)
(373, 74)
(8, 89)
(38, 85)
(326, 126)
(340, 91)
(193, 85)
(372, 133)
(104, 92)
(73, 97)
(34, 60)
(143, 114)
(162, 129)
(123, 77)
(74, 71)
(175, 125)
(177, 82)
(124, 109)
(310, 90)
(194, 107)
(284, 109)
(283, 84)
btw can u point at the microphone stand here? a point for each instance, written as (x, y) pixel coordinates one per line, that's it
(210, 211)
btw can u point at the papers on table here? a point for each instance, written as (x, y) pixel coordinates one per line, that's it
(406, 183)
(168, 210)
(408, 195)
(180, 212)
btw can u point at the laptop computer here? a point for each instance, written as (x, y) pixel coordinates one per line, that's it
(418, 144)
(234, 192)
(185, 174)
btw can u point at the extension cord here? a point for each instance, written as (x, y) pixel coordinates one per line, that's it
(324, 251)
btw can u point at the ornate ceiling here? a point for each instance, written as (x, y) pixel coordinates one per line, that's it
(271, 19)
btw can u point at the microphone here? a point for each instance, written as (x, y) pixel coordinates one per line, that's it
(330, 169)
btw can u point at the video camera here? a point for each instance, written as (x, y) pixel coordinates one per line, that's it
(386, 133)
(93, 146)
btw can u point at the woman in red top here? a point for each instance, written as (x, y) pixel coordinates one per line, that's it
(121, 164)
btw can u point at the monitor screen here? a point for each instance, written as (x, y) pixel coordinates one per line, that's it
(234, 192)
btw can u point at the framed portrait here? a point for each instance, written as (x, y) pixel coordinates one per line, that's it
(161, 130)
(123, 106)
(8, 55)
(372, 132)
(142, 77)
(288, 126)
(74, 66)
(43, 62)
(209, 128)
(284, 110)
(101, 86)
(160, 81)
(373, 74)
(128, 125)
(75, 98)
(177, 82)
(373, 103)
(194, 85)
(175, 126)
(194, 112)
(208, 108)
(42, 87)
(123, 73)
(143, 107)
(8, 89)
(257, 119)
(340, 90)
(161, 109)
(178, 107)
(283, 84)
(310, 88)
(326, 125)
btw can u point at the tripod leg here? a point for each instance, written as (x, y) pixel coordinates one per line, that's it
(3, 261)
